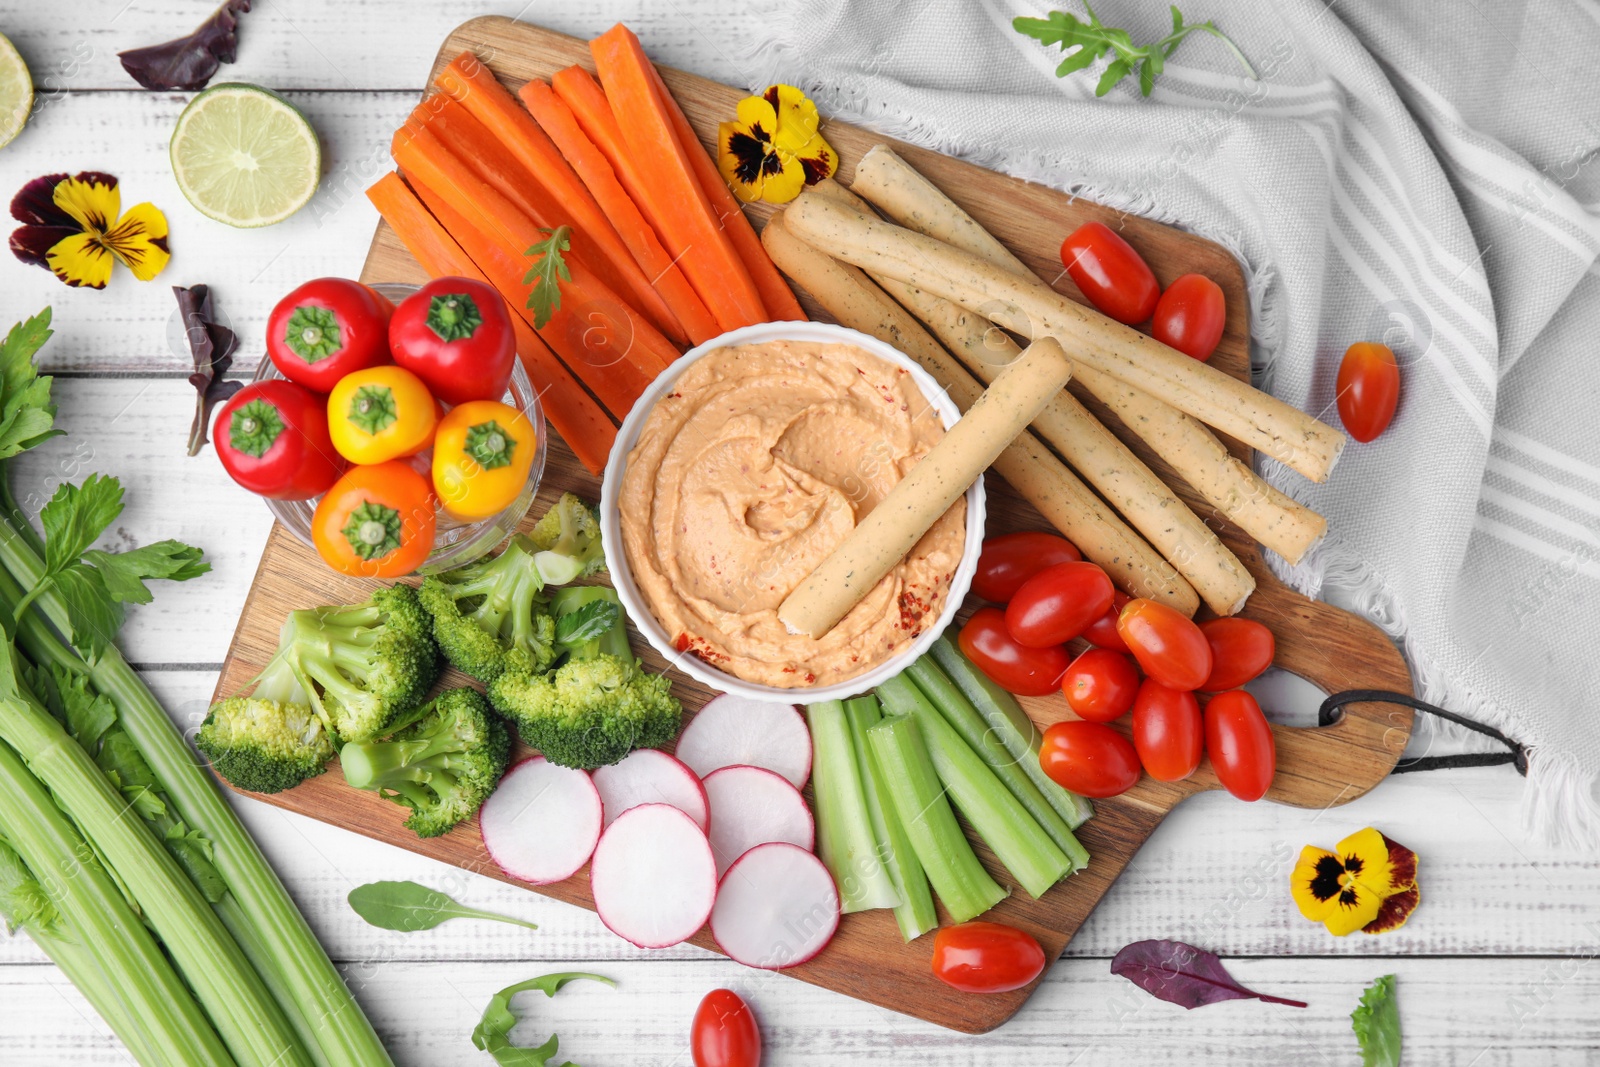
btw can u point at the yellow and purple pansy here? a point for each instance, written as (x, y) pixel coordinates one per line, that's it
(774, 150)
(1367, 883)
(74, 226)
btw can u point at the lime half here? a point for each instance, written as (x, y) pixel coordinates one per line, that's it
(245, 156)
(16, 92)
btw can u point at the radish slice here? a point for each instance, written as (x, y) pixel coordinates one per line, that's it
(734, 731)
(653, 877)
(776, 907)
(541, 823)
(649, 776)
(751, 806)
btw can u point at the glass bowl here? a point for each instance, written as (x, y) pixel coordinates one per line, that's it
(455, 542)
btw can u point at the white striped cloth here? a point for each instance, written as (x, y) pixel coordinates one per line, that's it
(1417, 173)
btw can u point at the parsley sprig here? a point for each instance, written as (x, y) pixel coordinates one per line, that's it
(1093, 39)
(547, 274)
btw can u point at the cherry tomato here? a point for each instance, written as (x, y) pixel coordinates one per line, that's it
(1240, 650)
(1089, 758)
(1100, 685)
(1190, 316)
(1011, 559)
(376, 522)
(980, 957)
(724, 1033)
(1108, 272)
(1369, 389)
(272, 438)
(1102, 633)
(1240, 744)
(1167, 731)
(1058, 604)
(327, 328)
(455, 334)
(1030, 672)
(1168, 645)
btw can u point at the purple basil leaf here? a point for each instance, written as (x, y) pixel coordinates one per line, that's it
(1184, 975)
(189, 62)
(212, 346)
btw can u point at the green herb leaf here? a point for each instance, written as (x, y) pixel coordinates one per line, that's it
(547, 274)
(408, 907)
(23, 901)
(1085, 42)
(27, 416)
(588, 622)
(88, 714)
(75, 516)
(493, 1032)
(197, 856)
(123, 573)
(1376, 1022)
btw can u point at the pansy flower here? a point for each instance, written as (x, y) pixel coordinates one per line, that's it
(774, 150)
(75, 227)
(1367, 883)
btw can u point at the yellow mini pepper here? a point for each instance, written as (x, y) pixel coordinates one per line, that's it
(481, 457)
(381, 413)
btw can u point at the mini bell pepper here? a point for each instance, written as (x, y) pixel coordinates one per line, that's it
(455, 334)
(327, 328)
(272, 438)
(381, 413)
(481, 457)
(376, 522)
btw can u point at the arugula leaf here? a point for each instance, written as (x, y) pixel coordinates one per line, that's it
(1085, 42)
(547, 274)
(407, 907)
(1376, 1022)
(27, 416)
(493, 1032)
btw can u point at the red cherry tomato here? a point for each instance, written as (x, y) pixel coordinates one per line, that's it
(724, 1033)
(455, 334)
(1058, 604)
(1168, 645)
(980, 957)
(272, 438)
(1102, 633)
(1011, 559)
(1240, 744)
(1100, 685)
(1240, 650)
(1108, 271)
(1369, 389)
(1190, 316)
(1167, 731)
(1029, 672)
(1089, 758)
(327, 328)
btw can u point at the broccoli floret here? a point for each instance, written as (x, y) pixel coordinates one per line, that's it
(442, 766)
(490, 614)
(265, 746)
(599, 704)
(568, 540)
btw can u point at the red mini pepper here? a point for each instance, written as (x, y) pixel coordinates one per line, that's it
(273, 439)
(456, 335)
(327, 328)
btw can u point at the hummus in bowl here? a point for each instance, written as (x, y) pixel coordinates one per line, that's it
(742, 467)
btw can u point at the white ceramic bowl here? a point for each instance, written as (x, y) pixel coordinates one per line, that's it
(622, 574)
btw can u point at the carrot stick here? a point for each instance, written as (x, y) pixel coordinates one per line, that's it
(693, 233)
(775, 292)
(471, 84)
(575, 416)
(558, 121)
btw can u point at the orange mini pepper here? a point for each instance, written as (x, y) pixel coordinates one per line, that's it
(376, 522)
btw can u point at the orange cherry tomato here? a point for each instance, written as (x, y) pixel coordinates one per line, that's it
(1011, 559)
(1369, 389)
(1240, 650)
(1168, 645)
(1089, 758)
(1190, 316)
(1058, 604)
(1239, 742)
(1102, 633)
(724, 1033)
(983, 957)
(1100, 685)
(1108, 271)
(1167, 731)
(376, 522)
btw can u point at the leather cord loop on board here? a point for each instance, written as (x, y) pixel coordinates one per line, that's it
(1515, 754)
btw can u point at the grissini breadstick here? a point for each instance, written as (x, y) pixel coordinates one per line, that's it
(901, 192)
(1031, 468)
(928, 489)
(1260, 420)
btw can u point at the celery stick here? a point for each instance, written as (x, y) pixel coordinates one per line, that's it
(901, 757)
(1011, 726)
(1004, 824)
(845, 839)
(959, 713)
(916, 914)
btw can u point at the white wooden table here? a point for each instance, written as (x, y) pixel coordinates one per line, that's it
(1497, 966)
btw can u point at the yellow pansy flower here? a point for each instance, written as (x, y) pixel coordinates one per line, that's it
(1367, 883)
(774, 150)
(75, 227)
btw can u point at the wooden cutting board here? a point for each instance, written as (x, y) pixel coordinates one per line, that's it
(1331, 648)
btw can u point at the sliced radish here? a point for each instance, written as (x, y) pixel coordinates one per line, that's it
(751, 806)
(653, 877)
(649, 776)
(734, 731)
(541, 823)
(776, 907)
